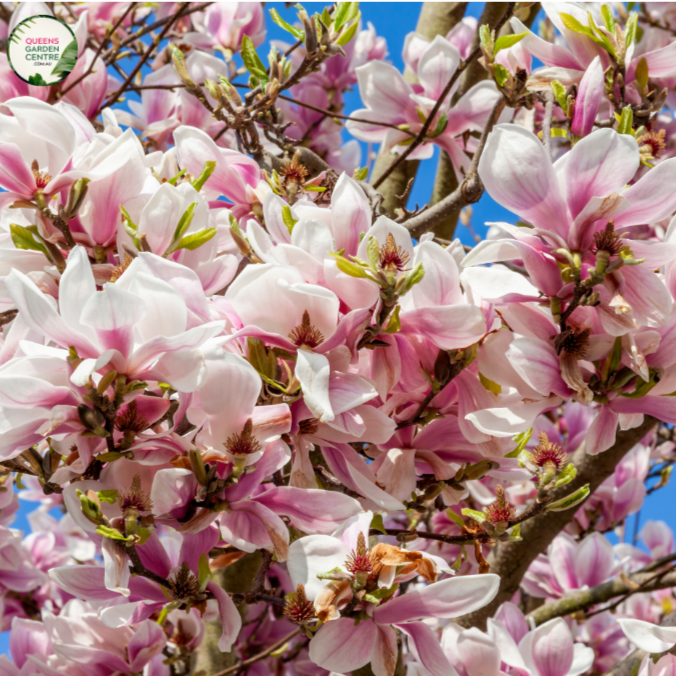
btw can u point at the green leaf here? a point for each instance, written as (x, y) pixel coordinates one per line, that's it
(203, 570)
(501, 74)
(209, 168)
(296, 32)
(67, 61)
(131, 228)
(515, 534)
(23, 239)
(489, 384)
(377, 523)
(113, 534)
(572, 24)
(351, 269)
(520, 440)
(394, 324)
(569, 501)
(262, 359)
(361, 174)
(252, 61)
(37, 80)
(373, 252)
(560, 93)
(507, 41)
(626, 120)
(568, 473)
(174, 179)
(479, 517)
(349, 33)
(345, 11)
(109, 495)
(314, 188)
(455, 517)
(185, 222)
(557, 132)
(608, 18)
(196, 239)
(413, 277)
(630, 29)
(642, 76)
(287, 217)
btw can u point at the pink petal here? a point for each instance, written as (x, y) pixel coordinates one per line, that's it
(649, 202)
(327, 648)
(538, 364)
(518, 174)
(425, 647)
(28, 638)
(601, 435)
(588, 99)
(600, 164)
(311, 510)
(113, 313)
(231, 620)
(148, 640)
(479, 654)
(447, 599)
(385, 651)
(551, 648)
(649, 637)
(594, 560)
(448, 327)
(350, 214)
(15, 175)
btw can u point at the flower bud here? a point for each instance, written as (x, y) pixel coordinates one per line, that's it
(90, 509)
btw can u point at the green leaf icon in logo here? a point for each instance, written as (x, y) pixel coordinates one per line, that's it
(38, 80)
(67, 61)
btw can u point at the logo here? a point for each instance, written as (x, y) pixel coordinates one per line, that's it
(42, 50)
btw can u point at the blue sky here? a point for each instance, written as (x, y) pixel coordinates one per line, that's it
(394, 20)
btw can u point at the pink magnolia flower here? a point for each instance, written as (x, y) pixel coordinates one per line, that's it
(223, 26)
(374, 640)
(237, 176)
(569, 565)
(389, 98)
(154, 115)
(473, 652)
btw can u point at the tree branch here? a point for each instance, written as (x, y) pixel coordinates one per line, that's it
(422, 134)
(510, 560)
(587, 598)
(468, 192)
(260, 656)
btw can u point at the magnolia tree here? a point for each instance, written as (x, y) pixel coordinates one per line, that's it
(278, 421)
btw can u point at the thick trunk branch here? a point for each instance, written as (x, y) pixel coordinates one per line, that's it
(510, 560)
(585, 599)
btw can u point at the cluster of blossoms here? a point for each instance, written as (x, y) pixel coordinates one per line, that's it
(273, 425)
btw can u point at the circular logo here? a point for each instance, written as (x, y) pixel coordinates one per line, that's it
(42, 50)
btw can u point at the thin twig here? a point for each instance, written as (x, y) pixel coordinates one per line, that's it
(146, 55)
(260, 656)
(468, 192)
(104, 42)
(422, 134)
(162, 22)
